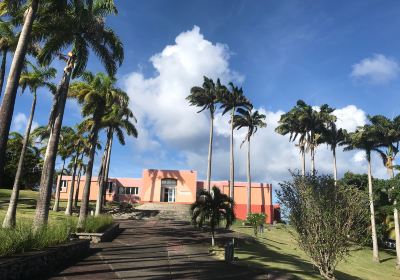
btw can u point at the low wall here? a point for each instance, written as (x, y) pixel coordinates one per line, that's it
(105, 236)
(39, 265)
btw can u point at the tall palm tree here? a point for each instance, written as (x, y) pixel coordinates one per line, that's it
(81, 171)
(82, 28)
(230, 101)
(365, 138)
(96, 94)
(214, 207)
(38, 77)
(253, 120)
(7, 105)
(8, 40)
(289, 123)
(65, 150)
(206, 97)
(117, 121)
(389, 135)
(333, 137)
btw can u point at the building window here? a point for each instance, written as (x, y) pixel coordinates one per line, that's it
(169, 182)
(109, 186)
(63, 184)
(129, 190)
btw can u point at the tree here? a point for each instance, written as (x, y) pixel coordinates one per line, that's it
(365, 138)
(253, 121)
(8, 41)
(117, 121)
(212, 207)
(95, 93)
(389, 135)
(81, 171)
(327, 218)
(256, 220)
(333, 137)
(65, 150)
(82, 28)
(7, 105)
(206, 97)
(230, 101)
(35, 79)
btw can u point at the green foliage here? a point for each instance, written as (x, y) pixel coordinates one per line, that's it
(256, 220)
(328, 218)
(32, 164)
(213, 207)
(97, 223)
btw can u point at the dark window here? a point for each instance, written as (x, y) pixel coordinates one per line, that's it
(110, 185)
(129, 190)
(168, 182)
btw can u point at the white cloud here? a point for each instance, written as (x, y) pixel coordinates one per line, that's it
(378, 69)
(168, 125)
(19, 123)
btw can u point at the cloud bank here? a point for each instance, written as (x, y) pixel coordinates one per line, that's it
(378, 69)
(174, 133)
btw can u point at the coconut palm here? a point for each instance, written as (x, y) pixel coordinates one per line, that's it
(95, 93)
(82, 28)
(206, 97)
(289, 124)
(17, 64)
(212, 207)
(35, 79)
(231, 100)
(366, 139)
(65, 150)
(333, 137)
(117, 121)
(389, 135)
(253, 120)
(8, 41)
(81, 171)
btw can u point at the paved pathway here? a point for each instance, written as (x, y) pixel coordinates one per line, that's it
(155, 249)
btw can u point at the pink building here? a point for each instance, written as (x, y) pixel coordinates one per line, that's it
(175, 186)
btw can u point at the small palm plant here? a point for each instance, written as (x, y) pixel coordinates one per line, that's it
(212, 207)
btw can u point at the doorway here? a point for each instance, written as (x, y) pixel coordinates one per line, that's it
(168, 190)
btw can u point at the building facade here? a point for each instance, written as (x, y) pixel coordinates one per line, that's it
(174, 186)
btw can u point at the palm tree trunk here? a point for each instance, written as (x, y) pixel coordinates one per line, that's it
(303, 161)
(210, 153)
(58, 188)
(7, 106)
(9, 220)
(232, 162)
(68, 210)
(55, 123)
(312, 153)
(86, 191)
(396, 224)
(77, 188)
(248, 178)
(101, 178)
(375, 252)
(3, 69)
(108, 161)
(334, 165)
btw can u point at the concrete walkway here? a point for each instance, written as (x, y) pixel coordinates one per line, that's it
(155, 249)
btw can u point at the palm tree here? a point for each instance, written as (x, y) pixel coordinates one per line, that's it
(253, 121)
(333, 137)
(81, 171)
(7, 105)
(389, 134)
(96, 94)
(65, 150)
(117, 121)
(230, 101)
(213, 207)
(8, 40)
(365, 138)
(35, 79)
(79, 143)
(289, 123)
(81, 28)
(206, 97)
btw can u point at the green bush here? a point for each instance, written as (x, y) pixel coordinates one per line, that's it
(22, 238)
(97, 223)
(256, 220)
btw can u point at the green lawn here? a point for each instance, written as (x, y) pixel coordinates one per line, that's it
(276, 250)
(27, 205)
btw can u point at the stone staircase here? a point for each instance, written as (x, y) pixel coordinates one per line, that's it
(168, 211)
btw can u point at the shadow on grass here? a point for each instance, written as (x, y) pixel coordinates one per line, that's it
(260, 256)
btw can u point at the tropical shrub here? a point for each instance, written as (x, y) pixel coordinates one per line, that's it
(256, 220)
(328, 219)
(212, 207)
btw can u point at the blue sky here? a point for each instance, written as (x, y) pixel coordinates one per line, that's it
(344, 53)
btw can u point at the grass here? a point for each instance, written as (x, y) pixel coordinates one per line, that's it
(58, 230)
(276, 250)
